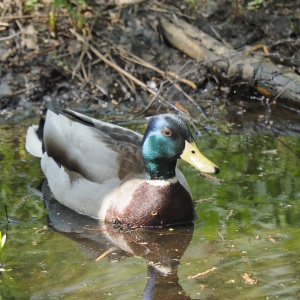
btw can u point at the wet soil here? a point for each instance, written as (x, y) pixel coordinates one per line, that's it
(41, 63)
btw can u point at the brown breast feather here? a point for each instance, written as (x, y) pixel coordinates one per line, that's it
(156, 206)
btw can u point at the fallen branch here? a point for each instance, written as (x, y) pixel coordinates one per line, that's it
(230, 65)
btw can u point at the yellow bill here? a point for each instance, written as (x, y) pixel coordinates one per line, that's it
(194, 157)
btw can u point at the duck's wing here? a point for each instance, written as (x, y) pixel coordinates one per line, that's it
(116, 132)
(95, 150)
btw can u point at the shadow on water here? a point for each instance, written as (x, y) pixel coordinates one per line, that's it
(161, 248)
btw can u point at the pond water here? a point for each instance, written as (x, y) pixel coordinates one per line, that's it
(243, 245)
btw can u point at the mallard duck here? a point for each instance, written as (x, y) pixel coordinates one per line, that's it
(115, 174)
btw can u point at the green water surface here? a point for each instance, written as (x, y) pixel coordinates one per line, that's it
(244, 244)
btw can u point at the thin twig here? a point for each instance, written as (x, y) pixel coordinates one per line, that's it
(84, 72)
(5, 38)
(202, 273)
(289, 148)
(220, 38)
(151, 102)
(167, 10)
(204, 200)
(21, 91)
(222, 238)
(211, 178)
(273, 101)
(140, 61)
(103, 255)
(122, 71)
(135, 80)
(6, 214)
(128, 82)
(12, 18)
(79, 62)
(230, 214)
(285, 88)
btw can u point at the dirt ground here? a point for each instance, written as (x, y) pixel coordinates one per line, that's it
(136, 72)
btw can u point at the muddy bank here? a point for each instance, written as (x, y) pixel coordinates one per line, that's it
(119, 64)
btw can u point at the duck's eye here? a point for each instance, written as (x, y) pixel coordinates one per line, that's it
(166, 132)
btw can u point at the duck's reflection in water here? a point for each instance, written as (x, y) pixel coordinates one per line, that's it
(161, 248)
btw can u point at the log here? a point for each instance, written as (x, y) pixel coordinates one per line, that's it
(232, 66)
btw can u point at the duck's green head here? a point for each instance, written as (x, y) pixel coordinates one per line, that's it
(167, 139)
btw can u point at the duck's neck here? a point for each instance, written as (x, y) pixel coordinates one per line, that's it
(160, 169)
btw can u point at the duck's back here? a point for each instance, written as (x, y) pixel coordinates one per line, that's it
(84, 162)
(96, 153)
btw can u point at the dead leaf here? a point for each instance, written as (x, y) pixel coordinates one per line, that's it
(249, 280)
(74, 47)
(230, 214)
(179, 106)
(271, 239)
(30, 38)
(42, 229)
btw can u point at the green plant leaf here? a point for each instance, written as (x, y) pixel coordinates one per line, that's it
(3, 240)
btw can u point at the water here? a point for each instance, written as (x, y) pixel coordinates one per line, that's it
(244, 244)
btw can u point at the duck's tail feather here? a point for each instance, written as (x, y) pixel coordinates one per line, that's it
(34, 139)
(80, 117)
